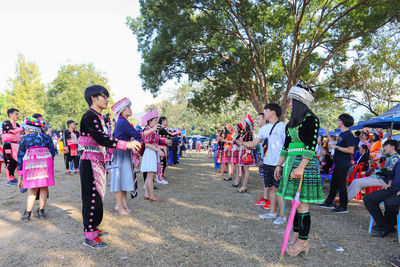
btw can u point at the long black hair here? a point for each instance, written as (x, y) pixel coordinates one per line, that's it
(225, 132)
(376, 137)
(160, 121)
(299, 112)
(365, 147)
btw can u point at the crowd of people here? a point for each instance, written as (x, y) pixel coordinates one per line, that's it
(291, 158)
(94, 150)
(351, 161)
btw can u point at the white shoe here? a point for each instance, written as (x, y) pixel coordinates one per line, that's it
(280, 220)
(158, 181)
(268, 216)
(164, 182)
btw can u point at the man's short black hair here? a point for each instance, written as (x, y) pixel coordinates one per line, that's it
(357, 133)
(393, 143)
(347, 119)
(261, 114)
(37, 116)
(11, 110)
(274, 107)
(70, 122)
(95, 90)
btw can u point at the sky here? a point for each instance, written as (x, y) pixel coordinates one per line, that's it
(56, 32)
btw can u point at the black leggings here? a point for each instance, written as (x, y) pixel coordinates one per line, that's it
(11, 164)
(302, 224)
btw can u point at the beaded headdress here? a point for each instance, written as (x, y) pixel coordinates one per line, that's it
(303, 93)
(33, 124)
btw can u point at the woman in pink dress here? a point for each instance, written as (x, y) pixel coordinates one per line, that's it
(35, 165)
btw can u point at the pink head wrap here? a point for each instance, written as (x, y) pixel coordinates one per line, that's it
(149, 116)
(118, 107)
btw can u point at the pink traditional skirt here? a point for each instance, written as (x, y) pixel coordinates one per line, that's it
(235, 156)
(38, 168)
(242, 153)
(220, 154)
(228, 155)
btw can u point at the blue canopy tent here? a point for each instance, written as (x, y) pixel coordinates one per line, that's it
(389, 120)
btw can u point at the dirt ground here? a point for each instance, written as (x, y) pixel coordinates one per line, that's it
(203, 221)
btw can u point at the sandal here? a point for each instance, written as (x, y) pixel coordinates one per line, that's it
(121, 210)
(228, 179)
(242, 190)
(128, 210)
(146, 198)
(155, 200)
(236, 185)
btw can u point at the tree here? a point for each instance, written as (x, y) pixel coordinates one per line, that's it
(181, 114)
(251, 50)
(3, 115)
(372, 81)
(26, 90)
(66, 93)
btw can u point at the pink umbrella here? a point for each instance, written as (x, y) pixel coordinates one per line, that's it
(295, 204)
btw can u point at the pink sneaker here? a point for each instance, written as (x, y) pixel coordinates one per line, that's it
(66, 171)
(76, 171)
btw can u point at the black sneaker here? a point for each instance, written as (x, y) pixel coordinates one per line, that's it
(26, 216)
(95, 244)
(340, 210)
(376, 228)
(40, 213)
(384, 232)
(396, 262)
(325, 205)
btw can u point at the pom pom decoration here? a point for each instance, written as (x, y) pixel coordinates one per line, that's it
(34, 122)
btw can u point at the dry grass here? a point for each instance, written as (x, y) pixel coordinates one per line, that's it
(203, 222)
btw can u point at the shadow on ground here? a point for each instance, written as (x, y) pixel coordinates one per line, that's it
(203, 221)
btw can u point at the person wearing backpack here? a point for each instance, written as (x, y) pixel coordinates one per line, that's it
(272, 136)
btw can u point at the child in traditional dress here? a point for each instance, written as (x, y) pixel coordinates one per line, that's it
(123, 176)
(71, 136)
(35, 165)
(246, 158)
(151, 157)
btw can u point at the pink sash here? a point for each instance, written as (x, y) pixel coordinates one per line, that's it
(14, 151)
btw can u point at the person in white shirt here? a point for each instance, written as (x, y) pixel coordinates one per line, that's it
(273, 137)
(190, 145)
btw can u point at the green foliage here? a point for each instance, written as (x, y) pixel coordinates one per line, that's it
(181, 115)
(372, 81)
(66, 93)
(3, 115)
(250, 50)
(26, 91)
